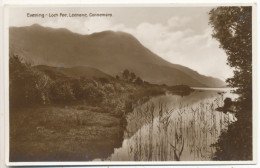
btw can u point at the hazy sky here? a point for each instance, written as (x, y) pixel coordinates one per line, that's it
(177, 34)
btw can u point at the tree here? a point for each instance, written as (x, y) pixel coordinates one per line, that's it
(133, 76)
(126, 74)
(26, 85)
(232, 27)
(139, 81)
(62, 92)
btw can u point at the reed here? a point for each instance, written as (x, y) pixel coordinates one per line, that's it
(165, 134)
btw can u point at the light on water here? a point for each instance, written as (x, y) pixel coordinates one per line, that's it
(172, 127)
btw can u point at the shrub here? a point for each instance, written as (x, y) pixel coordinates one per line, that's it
(62, 92)
(27, 86)
(139, 81)
(93, 95)
(103, 80)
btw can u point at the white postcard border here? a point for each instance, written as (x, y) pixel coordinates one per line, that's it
(6, 84)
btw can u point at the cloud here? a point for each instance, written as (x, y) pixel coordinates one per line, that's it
(93, 25)
(181, 45)
(87, 26)
(178, 22)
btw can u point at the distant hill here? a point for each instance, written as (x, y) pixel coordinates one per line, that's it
(74, 72)
(108, 51)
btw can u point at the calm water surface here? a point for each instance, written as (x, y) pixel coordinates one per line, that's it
(171, 127)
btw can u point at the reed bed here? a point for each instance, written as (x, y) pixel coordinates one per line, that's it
(159, 133)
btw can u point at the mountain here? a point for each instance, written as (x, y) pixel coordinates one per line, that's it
(108, 51)
(74, 72)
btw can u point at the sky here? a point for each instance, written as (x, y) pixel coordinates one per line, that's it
(180, 35)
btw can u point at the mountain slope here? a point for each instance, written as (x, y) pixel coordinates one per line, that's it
(110, 52)
(74, 72)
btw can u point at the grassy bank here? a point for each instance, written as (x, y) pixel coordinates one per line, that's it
(69, 133)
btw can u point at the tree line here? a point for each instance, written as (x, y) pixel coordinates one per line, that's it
(131, 77)
(30, 87)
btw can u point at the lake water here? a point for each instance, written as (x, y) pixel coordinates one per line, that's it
(172, 127)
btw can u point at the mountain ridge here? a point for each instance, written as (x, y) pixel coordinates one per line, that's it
(108, 51)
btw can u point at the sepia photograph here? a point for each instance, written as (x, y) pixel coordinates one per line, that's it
(130, 84)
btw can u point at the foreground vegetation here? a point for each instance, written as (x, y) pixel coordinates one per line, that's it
(55, 117)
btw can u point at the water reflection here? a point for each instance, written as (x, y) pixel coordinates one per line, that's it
(171, 127)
